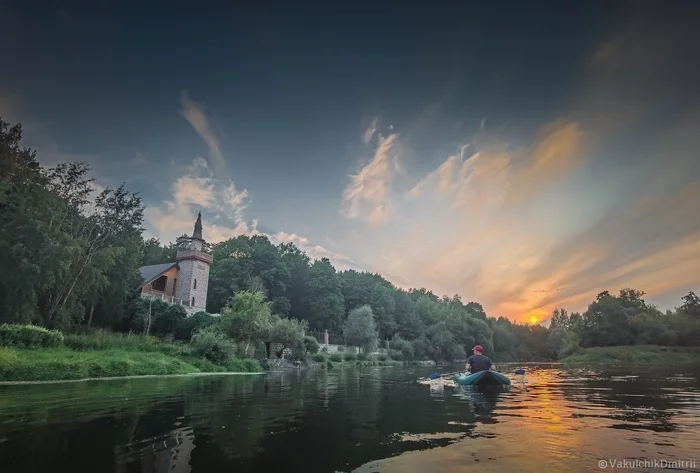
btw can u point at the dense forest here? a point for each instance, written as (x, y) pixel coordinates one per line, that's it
(70, 259)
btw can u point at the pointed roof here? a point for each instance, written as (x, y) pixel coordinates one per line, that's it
(154, 271)
(198, 227)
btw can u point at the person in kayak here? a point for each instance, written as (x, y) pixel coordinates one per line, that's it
(478, 362)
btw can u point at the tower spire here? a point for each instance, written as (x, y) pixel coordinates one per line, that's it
(198, 227)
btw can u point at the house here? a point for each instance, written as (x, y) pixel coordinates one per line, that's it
(184, 281)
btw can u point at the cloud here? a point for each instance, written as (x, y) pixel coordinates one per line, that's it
(498, 175)
(600, 200)
(370, 131)
(368, 196)
(223, 212)
(194, 114)
(222, 204)
(339, 260)
(197, 190)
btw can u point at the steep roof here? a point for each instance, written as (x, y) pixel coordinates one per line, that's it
(149, 273)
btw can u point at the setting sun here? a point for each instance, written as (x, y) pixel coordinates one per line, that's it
(533, 319)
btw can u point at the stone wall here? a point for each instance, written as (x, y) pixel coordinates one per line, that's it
(190, 270)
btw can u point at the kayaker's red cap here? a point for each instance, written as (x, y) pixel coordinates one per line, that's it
(478, 348)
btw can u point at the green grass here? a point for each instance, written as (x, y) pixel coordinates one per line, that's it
(103, 354)
(635, 355)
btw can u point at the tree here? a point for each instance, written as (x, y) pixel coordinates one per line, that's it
(246, 318)
(556, 341)
(289, 333)
(691, 304)
(361, 330)
(371, 289)
(324, 297)
(17, 165)
(560, 318)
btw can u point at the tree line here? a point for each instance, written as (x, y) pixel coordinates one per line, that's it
(71, 257)
(624, 319)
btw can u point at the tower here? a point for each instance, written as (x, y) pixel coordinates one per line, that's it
(193, 277)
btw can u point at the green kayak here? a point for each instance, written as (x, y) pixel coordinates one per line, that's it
(483, 378)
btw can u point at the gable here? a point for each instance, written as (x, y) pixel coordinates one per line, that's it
(154, 271)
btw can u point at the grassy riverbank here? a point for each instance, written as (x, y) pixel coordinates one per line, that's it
(104, 355)
(635, 355)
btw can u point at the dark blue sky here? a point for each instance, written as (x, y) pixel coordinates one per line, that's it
(288, 91)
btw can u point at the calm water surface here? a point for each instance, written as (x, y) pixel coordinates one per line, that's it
(364, 420)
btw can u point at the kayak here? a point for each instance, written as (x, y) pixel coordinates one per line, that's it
(483, 378)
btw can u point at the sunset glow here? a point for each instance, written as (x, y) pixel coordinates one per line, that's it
(464, 170)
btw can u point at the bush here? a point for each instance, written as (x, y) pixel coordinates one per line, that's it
(324, 350)
(104, 340)
(329, 364)
(350, 357)
(404, 347)
(213, 346)
(336, 357)
(363, 357)
(396, 355)
(341, 349)
(29, 336)
(382, 357)
(319, 357)
(198, 321)
(311, 346)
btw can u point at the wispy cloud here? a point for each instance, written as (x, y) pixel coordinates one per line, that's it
(195, 115)
(369, 195)
(503, 176)
(222, 203)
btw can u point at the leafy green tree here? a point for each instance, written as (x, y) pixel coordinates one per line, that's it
(324, 297)
(371, 289)
(556, 341)
(691, 304)
(247, 318)
(361, 330)
(311, 346)
(289, 333)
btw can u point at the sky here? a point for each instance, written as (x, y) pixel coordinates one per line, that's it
(524, 155)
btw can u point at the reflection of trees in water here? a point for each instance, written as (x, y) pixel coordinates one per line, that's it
(644, 401)
(76, 426)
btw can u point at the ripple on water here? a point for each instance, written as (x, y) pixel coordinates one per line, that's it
(347, 419)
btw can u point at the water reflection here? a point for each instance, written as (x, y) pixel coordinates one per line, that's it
(364, 419)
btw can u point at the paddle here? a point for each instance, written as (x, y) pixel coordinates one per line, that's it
(438, 375)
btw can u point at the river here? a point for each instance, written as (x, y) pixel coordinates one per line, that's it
(355, 419)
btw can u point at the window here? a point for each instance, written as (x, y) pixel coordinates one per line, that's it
(159, 284)
(193, 302)
(195, 284)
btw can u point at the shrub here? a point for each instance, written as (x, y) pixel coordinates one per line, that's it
(104, 340)
(329, 364)
(213, 346)
(336, 357)
(319, 357)
(198, 321)
(168, 321)
(29, 336)
(363, 357)
(396, 355)
(350, 357)
(289, 333)
(324, 350)
(404, 347)
(311, 346)
(352, 350)
(382, 357)
(341, 349)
